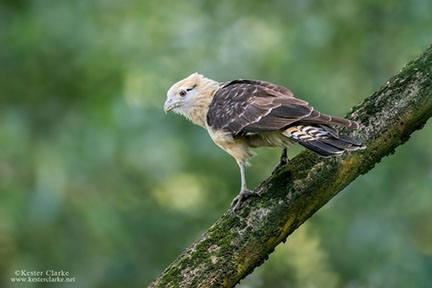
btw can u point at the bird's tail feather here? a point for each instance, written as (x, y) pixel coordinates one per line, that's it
(322, 139)
(318, 118)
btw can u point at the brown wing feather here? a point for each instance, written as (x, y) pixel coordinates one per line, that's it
(243, 106)
(270, 86)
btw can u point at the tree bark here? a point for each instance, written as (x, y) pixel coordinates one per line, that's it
(240, 241)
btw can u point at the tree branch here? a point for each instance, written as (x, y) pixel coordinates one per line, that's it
(238, 242)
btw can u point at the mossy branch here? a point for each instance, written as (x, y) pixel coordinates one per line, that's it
(238, 242)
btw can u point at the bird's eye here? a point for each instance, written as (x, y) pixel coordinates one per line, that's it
(182, 93)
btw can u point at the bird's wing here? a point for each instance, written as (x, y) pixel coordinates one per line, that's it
(243, 106)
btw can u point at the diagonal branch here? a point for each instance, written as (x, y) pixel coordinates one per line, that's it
(239, 242)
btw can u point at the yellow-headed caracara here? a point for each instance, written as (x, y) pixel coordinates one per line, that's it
(244, 114)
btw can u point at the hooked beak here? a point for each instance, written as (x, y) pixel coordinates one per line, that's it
(169, 105)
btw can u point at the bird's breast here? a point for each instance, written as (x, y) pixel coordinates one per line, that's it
(236, 147)
(221, 138)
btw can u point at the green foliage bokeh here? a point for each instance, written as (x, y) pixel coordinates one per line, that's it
(96, 180)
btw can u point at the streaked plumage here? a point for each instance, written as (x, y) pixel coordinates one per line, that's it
(244, 114)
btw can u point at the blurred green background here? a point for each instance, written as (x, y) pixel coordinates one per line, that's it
(96, 180)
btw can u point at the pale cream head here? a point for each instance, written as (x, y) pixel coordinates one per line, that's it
(191, 97)
(181, 95)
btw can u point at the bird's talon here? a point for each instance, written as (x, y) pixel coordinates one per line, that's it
(241, 197)
(277, 167)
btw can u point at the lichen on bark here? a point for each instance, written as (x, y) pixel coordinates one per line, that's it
(242, 240)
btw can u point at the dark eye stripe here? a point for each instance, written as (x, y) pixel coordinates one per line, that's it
(191, 88)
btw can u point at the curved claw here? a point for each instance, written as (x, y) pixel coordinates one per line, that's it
(241, 197)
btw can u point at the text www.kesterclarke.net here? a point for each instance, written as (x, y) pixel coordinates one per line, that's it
(47, 276)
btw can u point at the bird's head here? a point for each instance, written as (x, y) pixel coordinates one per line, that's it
(190, 95)
(181, 96)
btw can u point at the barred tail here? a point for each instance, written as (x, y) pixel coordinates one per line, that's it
(322, 139)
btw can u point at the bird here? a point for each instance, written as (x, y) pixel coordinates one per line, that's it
(243, 114)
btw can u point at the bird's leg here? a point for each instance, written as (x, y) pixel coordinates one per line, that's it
(283, 160)
(244, 192)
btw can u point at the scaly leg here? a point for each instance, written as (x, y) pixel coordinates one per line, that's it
(283, 160)
(244, 192)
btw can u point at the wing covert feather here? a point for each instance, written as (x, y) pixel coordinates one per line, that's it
(243, 106)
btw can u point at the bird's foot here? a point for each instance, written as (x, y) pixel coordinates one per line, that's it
(283, 161)
(241, 197)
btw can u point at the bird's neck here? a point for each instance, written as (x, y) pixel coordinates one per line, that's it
(198, 112)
